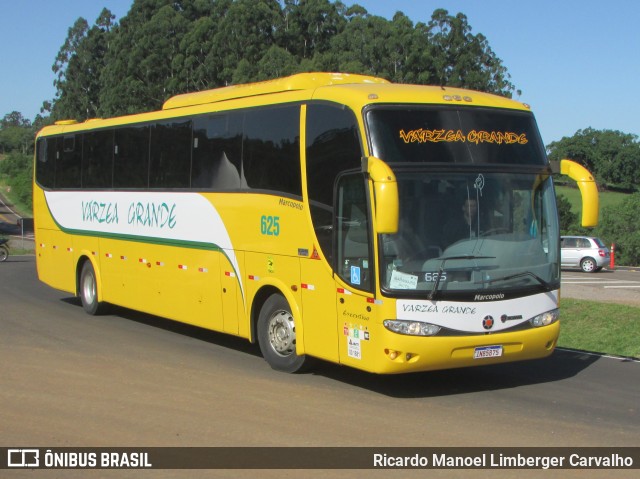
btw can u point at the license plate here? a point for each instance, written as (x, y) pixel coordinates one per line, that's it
(487, 352)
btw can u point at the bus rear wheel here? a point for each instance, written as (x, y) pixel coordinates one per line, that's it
(277, 335)
(88, 290)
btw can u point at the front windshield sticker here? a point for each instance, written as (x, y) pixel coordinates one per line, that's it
(451, 136)
(401, 280)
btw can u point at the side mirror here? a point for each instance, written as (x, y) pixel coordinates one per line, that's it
(385, 188)
(588, 190)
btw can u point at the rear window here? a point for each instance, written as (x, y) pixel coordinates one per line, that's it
(599, 242)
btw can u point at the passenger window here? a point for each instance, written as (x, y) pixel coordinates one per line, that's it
(217, 152)
(68, 164)
(271, 149)
(583, 243)
(97, 159)
(170, 156)
(131, 157)
(46, 162)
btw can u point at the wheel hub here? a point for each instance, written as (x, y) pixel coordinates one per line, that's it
(282, 335)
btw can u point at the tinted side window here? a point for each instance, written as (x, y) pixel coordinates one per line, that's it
(46, 162)
(217, 152)
(69, 162)
(131, 158)
(353, 241)
(333, 146)
(271, 157)
(97, 159)
(170, 163)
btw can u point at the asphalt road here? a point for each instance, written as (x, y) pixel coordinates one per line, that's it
(621, 285)
(129, 379)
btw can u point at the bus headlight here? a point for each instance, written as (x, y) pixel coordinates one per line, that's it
(545, 319)
(411, 328)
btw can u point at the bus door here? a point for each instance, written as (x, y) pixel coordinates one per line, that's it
(354, 272)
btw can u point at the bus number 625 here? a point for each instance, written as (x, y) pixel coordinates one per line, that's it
(270, 225)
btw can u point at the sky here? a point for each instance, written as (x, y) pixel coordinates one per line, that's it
(576, 62)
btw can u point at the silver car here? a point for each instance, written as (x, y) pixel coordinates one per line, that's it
(585, 252)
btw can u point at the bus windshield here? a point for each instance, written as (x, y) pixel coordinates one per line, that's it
(477, 207)
(468, 231)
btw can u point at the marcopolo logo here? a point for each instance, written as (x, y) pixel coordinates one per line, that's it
(488, 297)
(23, 457)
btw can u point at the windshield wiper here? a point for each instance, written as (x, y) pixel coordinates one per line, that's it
(441, 269)
(543, 282)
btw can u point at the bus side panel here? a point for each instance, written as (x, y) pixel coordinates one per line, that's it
(47, 272)
(47, 235)
(114, 275)
(231, 297)
(56, 265)
(318, 303)
(277, 271)
(178, 283)
(183, 284)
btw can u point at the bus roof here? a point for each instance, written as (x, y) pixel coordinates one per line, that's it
(353, 90)
(301, 81)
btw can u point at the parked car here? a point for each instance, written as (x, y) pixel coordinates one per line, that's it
(585, 252)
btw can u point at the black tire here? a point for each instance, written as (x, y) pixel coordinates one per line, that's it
(4, 253)
(277, 336)
(88, 291)
(588, 265)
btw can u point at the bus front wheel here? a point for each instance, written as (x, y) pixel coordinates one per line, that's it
(277, 335)
(88, 290)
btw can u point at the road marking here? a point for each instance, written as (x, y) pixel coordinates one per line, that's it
(624, 286)
(601, 355)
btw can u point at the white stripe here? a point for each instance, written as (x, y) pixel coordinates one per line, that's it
(600, 355)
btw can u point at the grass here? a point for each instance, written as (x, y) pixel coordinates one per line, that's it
(17, 206)
(600, 327)
(606, 198)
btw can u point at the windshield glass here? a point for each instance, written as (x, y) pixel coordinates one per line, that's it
(467, 231)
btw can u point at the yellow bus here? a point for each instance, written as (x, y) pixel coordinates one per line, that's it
(391, 228)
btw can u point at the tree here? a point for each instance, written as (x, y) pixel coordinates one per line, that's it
(568, 219)
(16, 133)
(78, 68)
(611, 156)
(462, 59)
(164, 47)
(619, 224)
(245, 32)
(276, 62)
(140, 72)
(308, 26)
